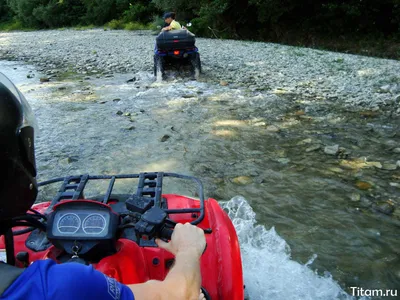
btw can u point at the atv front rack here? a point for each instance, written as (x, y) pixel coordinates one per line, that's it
(147, 195)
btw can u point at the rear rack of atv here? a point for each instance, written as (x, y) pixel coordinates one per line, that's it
(148, 193)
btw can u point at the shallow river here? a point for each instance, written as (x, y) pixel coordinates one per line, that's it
(309, 222)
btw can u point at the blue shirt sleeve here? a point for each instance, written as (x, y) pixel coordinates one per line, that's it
(48, 280)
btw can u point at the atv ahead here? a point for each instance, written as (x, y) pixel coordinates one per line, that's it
(176, 46)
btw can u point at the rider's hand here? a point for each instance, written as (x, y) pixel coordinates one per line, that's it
(185, 238)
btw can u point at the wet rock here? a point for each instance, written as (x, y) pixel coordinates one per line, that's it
(29, 76)
(165, 138)
(44, 79)
(396, 150)
(142, 110)
(272, 128)
(394, 184)
(385, 88)
(223, 83)
(62, 88)
(131, 80)
(116, 99)
(283, 160)
(313, 148)
(127, 114)
(260, 124)
(331, 150)
(363, 185)
(119, 113)
(359, 163)
(398, 163)
(336, 170)
(355, 197)
(102, 102)
(242, 180)
(389, 166)
(131, 128)
(386, 208)
(187, 96)
(304, 142)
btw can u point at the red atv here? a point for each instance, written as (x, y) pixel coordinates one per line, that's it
(115, 233)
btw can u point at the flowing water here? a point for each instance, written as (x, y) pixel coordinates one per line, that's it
(308, 222)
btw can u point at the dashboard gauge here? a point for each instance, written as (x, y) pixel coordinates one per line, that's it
(94, 224)
(69, 223)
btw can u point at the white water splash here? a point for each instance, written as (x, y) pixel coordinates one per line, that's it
(269, 273)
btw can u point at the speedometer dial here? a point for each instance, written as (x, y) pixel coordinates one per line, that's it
(69, 223)
(94, 224)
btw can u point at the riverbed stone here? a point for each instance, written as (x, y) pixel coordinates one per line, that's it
(119, 113)
(165, 138)
(313, 148)
(355, 197)
(272, 128)
(363, 185)
(242, 180)
(389, 166)
(396, 150)
(331, 150)
(385, 208)
(304, 142)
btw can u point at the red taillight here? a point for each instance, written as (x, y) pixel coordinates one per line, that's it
(176, 41)
(176, 52)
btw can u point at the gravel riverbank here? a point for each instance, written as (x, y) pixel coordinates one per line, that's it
(354, 82)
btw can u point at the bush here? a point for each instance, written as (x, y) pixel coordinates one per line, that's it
(135, 26)
(115, 24)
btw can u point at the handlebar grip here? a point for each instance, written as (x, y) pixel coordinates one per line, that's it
(166, 233)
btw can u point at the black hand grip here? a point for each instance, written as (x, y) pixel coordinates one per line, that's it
(166, 233)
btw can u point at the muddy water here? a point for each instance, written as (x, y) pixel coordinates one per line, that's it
(266, 147)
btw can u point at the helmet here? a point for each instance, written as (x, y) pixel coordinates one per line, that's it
(169, 15)
(18, 187)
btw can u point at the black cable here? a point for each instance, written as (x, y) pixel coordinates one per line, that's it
(23, 231)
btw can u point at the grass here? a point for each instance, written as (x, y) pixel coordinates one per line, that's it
(120, 24)
(13, 26)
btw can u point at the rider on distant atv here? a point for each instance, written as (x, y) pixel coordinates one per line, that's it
(169, 19)
(47, 280)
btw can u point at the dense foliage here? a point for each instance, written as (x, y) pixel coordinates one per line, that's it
(273, 20)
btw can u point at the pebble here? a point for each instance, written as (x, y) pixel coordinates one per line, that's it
(313, 148)
(389, 166)
(165, 138)
(355, 197)
(242, 180)
(363, 185)
(119, 113)
(272, 128)
(331, 150)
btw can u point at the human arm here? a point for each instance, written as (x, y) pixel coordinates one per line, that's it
(184, 280)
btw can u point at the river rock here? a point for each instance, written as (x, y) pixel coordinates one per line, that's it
(130, 128)
(396, 150)
(127, 114)
(116, 99)
(242, 180)
(394, 184)
(313, 148)
(304, 142)
(331, 150)
(385, 208)
(363, 185)
(44, 79)
(355, 197)
(389, 166)
(223, 83)
(119, 113)
(272, 128)
(165, 138)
